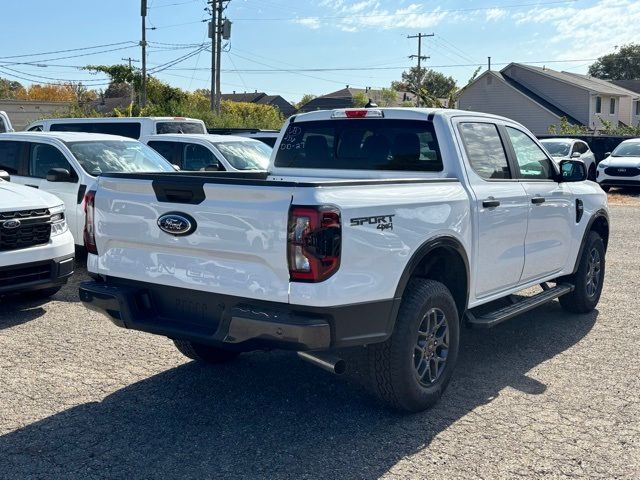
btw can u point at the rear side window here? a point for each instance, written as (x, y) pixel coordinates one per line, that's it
(10, 157)
(169, 150)
(124, 129)
(179, 127)
(485, 150)
(361, 144)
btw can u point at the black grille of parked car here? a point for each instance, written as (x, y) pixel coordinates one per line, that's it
(10, 277)
(622, 171)
(24, 228)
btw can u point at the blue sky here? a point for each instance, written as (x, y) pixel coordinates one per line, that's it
(369, 35)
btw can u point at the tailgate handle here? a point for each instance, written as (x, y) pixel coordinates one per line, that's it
(174, 192)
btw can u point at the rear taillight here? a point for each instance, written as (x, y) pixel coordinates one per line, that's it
(313, 243)
(89, 222)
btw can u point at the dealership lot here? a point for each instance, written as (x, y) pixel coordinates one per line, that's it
(547, 394)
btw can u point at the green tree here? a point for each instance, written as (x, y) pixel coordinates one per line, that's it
(621, 65)
(120, 74)
(306, 98)
(10, 89)
(360, 99)
(427, 84)
(388, 97)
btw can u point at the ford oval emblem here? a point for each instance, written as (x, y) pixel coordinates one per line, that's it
(11, 224)
(177, 224)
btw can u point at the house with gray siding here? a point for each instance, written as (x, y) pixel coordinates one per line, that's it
(539, 97)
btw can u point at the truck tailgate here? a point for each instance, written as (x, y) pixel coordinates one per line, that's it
(238, 246)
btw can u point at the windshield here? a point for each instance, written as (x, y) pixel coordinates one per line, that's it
(245, 155)
(116, 156)
(179, 127)
(627, 150)
(556, 149)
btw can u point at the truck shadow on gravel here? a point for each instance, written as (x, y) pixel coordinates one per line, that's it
(273, 416)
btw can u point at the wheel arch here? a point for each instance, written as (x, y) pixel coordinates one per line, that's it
(599, 222)
(443, 259)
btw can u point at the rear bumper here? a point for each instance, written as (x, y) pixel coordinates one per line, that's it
(38, 275)
(236, 323)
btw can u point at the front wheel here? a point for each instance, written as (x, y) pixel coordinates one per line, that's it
(204, 353)
(411, 369)
(589, 278)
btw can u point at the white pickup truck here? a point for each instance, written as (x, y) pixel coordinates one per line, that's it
(380, 228)
(36, 247)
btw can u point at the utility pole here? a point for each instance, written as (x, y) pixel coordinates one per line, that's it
(130, 60)
(218, 52)
(212, 34)
(143, 44)
(420, 57)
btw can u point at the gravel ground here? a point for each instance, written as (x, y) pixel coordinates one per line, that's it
(548, 394)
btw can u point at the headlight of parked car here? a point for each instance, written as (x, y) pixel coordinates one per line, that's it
(58, 222)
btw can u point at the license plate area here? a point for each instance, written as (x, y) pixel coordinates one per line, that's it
(183, 308)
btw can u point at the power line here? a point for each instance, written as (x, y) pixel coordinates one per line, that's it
(36, 63)
(13, 75)
(69, 50)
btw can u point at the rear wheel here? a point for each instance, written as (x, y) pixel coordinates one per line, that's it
(606, 188)
(204, 353)
(589, 278)
(411, 370)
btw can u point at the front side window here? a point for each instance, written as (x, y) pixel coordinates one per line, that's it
(582, 147)
(197, 157)
(116, 156)
(3, 127)
(598, 104)
(485, 150)
(169, 150)
(361, 144)
(43, 158)
(35, 128)
(532, 161)
(612, 106)
(10, 157)
(247, 155)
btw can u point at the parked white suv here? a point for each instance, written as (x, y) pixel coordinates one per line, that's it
(571, 148)
(66, 163)
(36, 247)
(212, 152)
(621, 168)
(384, 229)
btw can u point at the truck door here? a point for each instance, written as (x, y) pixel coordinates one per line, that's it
(501, 207)
(551, 208)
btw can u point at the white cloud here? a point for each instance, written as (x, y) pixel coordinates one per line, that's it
(495, 14)
(309, 22)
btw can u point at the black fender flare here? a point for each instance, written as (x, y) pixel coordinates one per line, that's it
(602, 213)
(444, 241)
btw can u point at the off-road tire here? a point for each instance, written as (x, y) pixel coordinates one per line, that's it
(392, 374)
(205, 353)
(579, 301)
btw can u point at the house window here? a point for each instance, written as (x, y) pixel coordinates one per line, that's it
(598, 104)
(612, 106)
(637, 107)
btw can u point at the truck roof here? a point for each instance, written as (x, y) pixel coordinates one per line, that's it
(119, 119)
(64, 136)
(397, 113)
(186, 137)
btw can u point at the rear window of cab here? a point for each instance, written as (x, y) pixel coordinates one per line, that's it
(361, 144)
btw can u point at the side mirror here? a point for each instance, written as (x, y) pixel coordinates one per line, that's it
(176, 167)
(606, 154)
(59, 175)
(214, 167)
(575, 155)
(573, 171)
(4, 175)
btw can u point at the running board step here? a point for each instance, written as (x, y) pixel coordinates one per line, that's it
(491, 319)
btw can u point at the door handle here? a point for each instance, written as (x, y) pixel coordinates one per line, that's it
(491, 203)
(32, 186)
(537, 200)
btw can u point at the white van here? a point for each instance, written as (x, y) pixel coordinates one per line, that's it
(137, 128)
